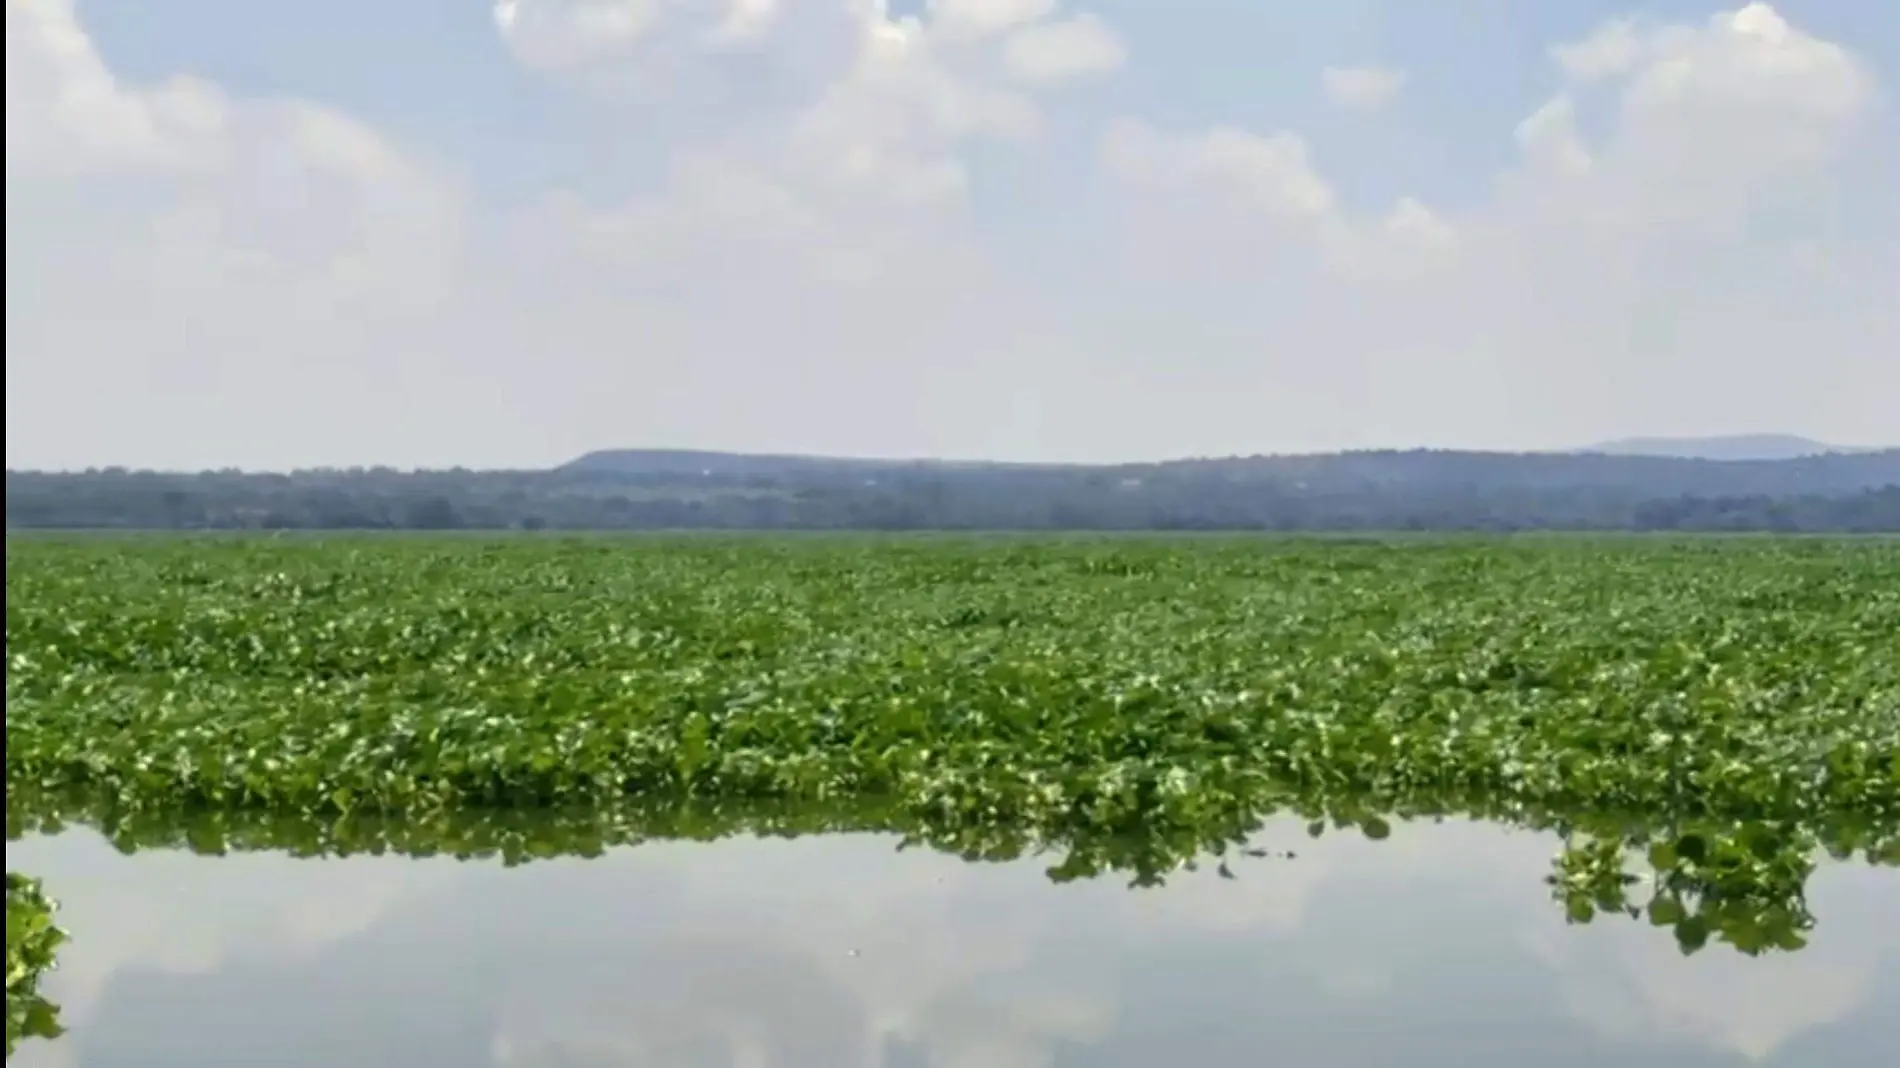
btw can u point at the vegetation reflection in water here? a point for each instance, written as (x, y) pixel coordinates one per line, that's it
(1740, 884)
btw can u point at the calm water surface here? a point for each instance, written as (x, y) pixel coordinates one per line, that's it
(1438, 946)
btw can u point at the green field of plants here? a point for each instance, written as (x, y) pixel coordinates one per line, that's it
(1726, 707)
(1014, 681)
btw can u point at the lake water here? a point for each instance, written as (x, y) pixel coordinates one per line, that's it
(1440, 945)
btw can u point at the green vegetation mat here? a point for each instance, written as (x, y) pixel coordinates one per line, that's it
(1042, 683)
(1725, 706)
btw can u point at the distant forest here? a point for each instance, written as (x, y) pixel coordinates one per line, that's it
(1421, 490)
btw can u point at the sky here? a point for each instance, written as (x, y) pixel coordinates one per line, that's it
(500, 234)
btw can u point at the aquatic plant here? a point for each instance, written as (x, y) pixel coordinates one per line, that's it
(33, 942)
(1098, 683)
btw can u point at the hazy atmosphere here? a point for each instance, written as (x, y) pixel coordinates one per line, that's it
(953, 533)
(444, 232)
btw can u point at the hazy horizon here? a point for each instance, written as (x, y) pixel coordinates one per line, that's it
(503, 235)
(1714, 448)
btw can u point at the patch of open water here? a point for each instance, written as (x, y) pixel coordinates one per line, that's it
(1439, 946)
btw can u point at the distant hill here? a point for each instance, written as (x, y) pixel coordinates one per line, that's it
(650, 489)
(1410, 471)
(702, 463)
(1736, 447)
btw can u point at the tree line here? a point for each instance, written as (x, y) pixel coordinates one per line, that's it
(1420, 491)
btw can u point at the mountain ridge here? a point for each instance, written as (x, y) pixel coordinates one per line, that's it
(1727, 448)
(1415, 490)
(1738, 449)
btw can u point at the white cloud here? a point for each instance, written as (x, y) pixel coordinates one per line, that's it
(1229, 205)
(1612, 49)
(67, 114)
(1075, 47)
(565, 33)
(1367, 88)
(747, 20)
(984, 18)
(1549, 139)
(1249, 172)
(250, 264)
(838, 263)
(1638, 278)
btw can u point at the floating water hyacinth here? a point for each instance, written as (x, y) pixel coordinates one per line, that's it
(33, 942)
(1040, 684)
